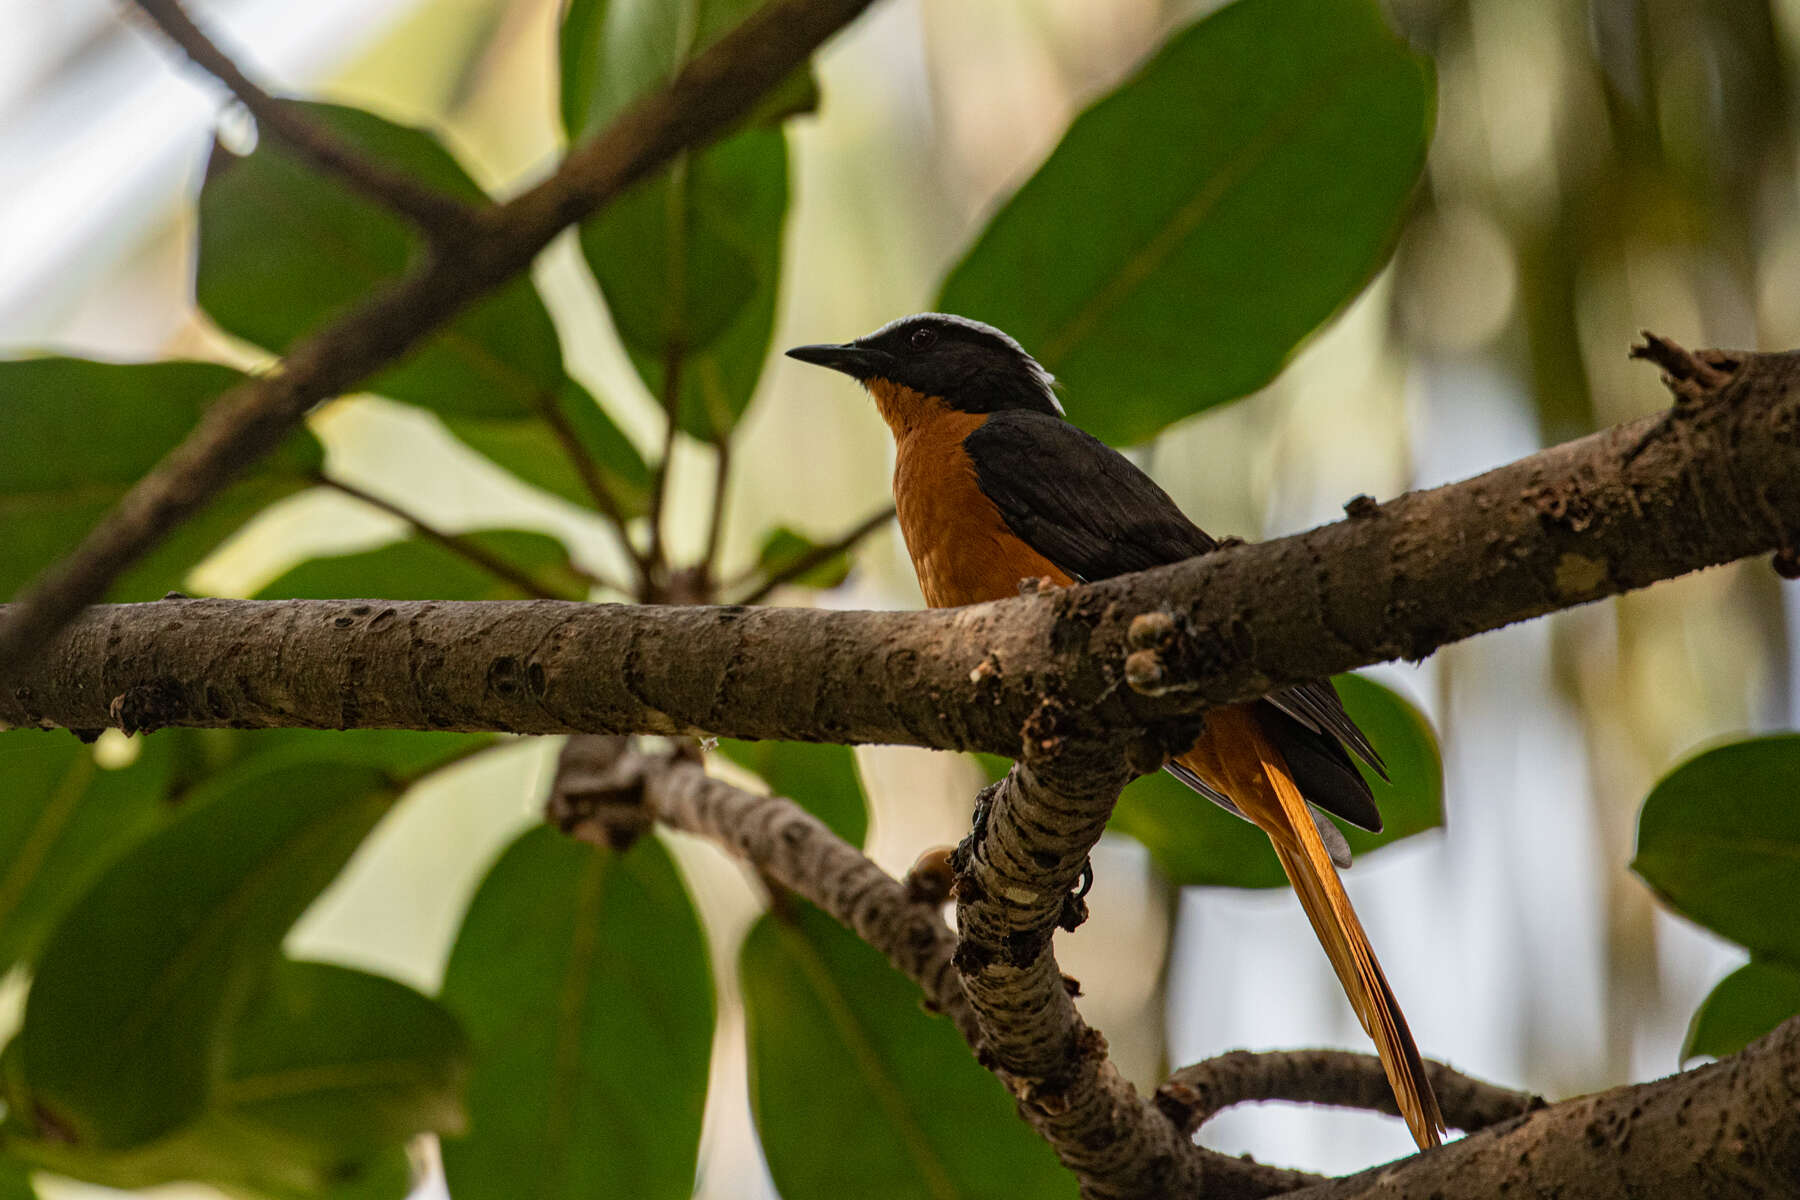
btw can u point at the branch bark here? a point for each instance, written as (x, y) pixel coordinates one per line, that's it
(1196, 1094)
(706, 98)
(1714, 479)
(1727, 1131)
(611, 791)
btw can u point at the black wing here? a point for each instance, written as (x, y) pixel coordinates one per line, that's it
(1085, 507)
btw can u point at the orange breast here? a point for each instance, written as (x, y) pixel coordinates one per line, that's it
(961, 548)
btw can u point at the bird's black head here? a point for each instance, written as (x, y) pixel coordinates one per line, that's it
(971, 367)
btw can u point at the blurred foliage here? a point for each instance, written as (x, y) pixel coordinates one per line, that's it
(582, 978)
(283, 249)
(856, 1090)
(77, 434)
(1719, 841)
(418, 568)
(1252, 178)
(1190, 232)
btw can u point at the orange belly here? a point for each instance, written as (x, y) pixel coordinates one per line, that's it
(960, 547)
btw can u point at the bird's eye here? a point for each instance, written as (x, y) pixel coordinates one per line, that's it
(922, 338)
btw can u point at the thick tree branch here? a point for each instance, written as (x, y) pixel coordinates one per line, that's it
(1032, 835)
(1703, 484)
(712, 92)
(443, 218)
(1727, 1131)
(1194, 1095)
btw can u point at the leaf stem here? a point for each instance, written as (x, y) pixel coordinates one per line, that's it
(814, 557)
(463, 547)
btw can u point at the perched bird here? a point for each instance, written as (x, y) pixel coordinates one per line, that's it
(993, 486)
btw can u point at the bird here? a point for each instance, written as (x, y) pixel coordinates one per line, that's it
(994, 486)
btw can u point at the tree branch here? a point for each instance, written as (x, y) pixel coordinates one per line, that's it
(444, 219)
(1194, 1095)
(1726, 1131)
(1648, 500)
(609, 791)
(711, 93)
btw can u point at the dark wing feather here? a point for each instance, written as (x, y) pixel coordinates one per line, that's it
(1085, 507)
(1077, 501)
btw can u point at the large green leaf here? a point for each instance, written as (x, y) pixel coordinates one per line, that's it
(347, 1062)
(326, 1077)
(64, 819)
(1748, 1003)
(1199, 222)
(1719, 840)
(76, 434)
(284, 249)
(15, 1181)
(688, 259)
(822, 778)
(1196, 842)
(128, 1016)
(858, 1091)
(581, 977)
(417, 568)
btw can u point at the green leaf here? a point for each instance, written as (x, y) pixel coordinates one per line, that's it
(416, 568)
(822, 778)
(1719, 841)
(64, 820)
(1193, 227)
(284, 249)
(689, 258)
(127, 1018)
(78, 434)
(345, 1061)
(537, 450)
(327, 1075)
(1748, 1003)
(581, 976)
(858, 1091)
(15, 1181)
(400, 755)
(782, 547)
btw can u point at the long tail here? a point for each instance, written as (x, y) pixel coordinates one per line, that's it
(1289, 824)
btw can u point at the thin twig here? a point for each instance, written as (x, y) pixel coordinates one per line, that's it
(445, 219)
(1195, 1094)
(705, 98)
(715, 525)
(817, 556)
(659, 484)
(465, 547)
(609, 790)
(594, 480)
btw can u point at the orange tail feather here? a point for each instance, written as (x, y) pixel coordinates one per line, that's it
(1267, 794)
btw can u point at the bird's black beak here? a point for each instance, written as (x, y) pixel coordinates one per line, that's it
(858, 362)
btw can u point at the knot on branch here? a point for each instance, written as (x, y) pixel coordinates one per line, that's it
(149, 706)
(598, 795)
(1692, 375)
